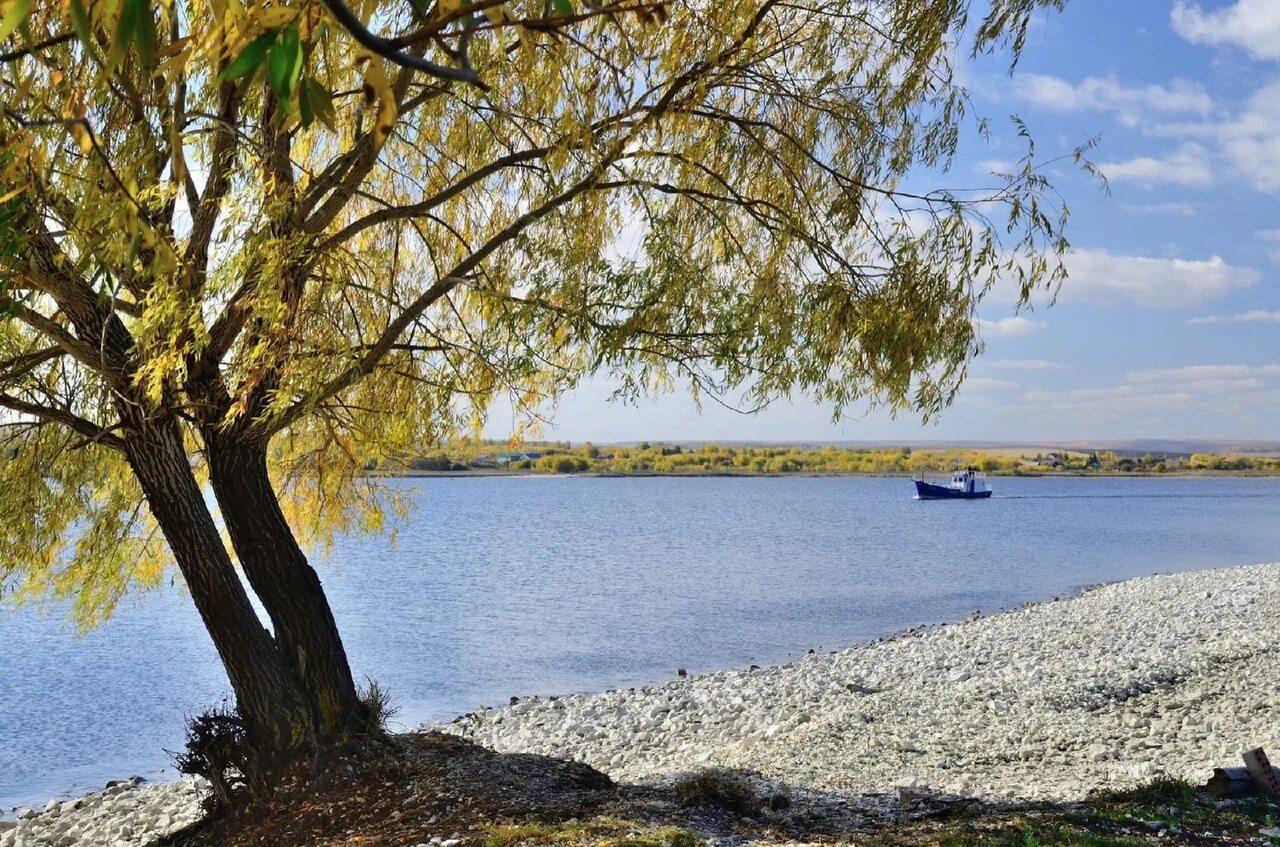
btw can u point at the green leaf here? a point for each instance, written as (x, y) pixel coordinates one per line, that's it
(305, 113)
(284, 64)
(144, 34)
(15, 17)
(80, 22)
(131, 14)
(320, 102)
(250, 57)
(564, 8)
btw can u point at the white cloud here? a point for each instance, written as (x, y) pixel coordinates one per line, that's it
(982, 383)
(1249, 140)
(1015, 327)
(1185, 209)
(1026, 365)
(1271, 237)
(1218, 386)
(1097, 276)
(1202, 373)
(1253, 25)
(1252, 140)
(1118, 401)
(1110, 95)
(1257, 316)
(995, 166)
(1189, 165)
(1200, 388)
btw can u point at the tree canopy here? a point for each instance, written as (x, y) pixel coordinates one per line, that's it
(337, 233)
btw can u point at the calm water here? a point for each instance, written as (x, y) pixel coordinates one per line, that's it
(503, 586)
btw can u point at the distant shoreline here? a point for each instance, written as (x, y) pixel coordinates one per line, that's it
(499, 472)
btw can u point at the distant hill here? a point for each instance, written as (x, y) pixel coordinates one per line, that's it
(1182, 446)
(1139, 446)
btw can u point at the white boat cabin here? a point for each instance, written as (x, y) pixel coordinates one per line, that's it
(969, 481)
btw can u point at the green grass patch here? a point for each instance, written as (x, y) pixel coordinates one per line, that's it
(600, 832)
(1132, 818)
(1162, 790)
(1014, 832)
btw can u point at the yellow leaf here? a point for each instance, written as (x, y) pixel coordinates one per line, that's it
(173, 48)
(497, 15)
(12, 14)
(275, 17)
(377, 88)
(170, 69)
(5, 198)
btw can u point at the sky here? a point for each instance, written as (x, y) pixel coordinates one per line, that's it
(1169, 325)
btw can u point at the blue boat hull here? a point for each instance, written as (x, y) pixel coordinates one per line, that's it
(929, 491)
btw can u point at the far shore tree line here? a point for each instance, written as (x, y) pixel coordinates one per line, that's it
(663, 458)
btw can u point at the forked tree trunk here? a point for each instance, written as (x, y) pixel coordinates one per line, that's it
(285, 582)
(277, 719)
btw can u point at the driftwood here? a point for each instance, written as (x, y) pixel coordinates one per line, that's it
(1230, 782)
(1235, 782)
(1260, 769)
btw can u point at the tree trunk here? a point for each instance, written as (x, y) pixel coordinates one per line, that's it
(276, 718)
(285, 582)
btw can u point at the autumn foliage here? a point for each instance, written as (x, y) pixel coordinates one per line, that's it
(248, 244)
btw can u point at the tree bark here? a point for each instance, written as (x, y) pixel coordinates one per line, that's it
(285, 582)
(276, 717)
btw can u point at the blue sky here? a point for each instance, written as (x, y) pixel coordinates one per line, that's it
(1169, 325)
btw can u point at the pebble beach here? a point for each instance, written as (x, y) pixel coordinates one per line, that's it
(1169, 674)
(1165, 675)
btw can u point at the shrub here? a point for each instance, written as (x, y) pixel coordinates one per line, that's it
(217, 749)
(722, 788)
(378, 710)
(431, 463)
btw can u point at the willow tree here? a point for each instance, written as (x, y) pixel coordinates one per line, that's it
(251, 244)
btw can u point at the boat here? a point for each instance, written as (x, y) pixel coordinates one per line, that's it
(967, 484)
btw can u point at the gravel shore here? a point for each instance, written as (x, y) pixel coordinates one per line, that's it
(127, 813)
(1163, 675)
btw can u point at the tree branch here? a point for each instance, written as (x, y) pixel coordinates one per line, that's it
(37, 47)
(55, 332)
(387, 339)
(395, 213)
(20, 366)
(387, 49)
(91, 431)
(204, 216)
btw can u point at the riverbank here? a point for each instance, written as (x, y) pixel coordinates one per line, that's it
(481, 473)
(126, 813)
(1165, 676)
